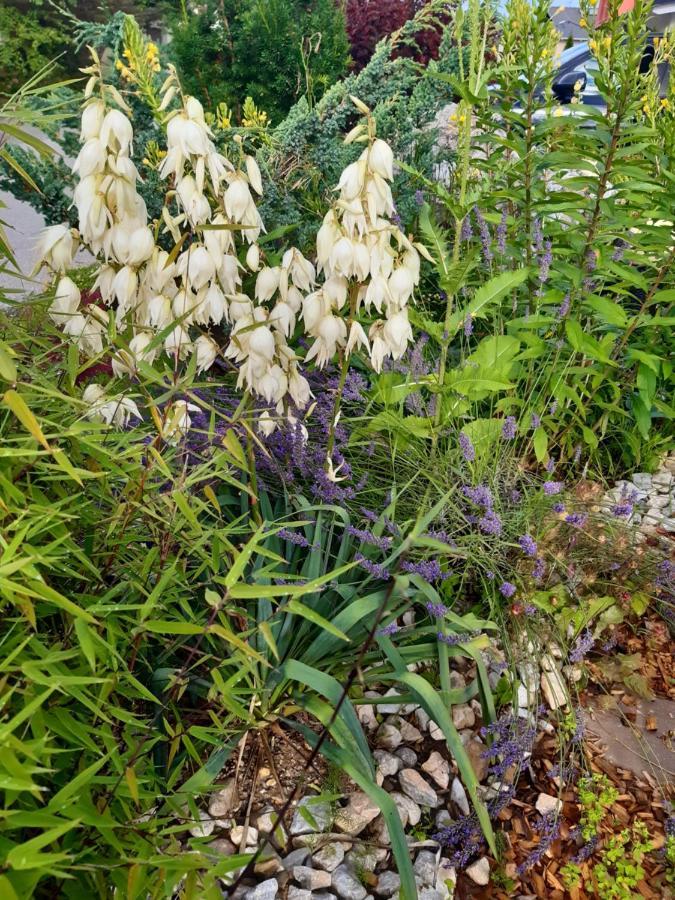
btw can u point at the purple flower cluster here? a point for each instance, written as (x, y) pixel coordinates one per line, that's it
(564, 307)
(490, 523)
(387, 630)
(528, 545)
(583, 645)
(511, 739)
(623, 510)
(428, 569)
(549, 829)
(539, 569)
(468, 325)
(372, 568)
(437, 610)
(367, 537)
(509, 428)
(464, 837)
(481, 495)
(453, 639)
(545, 261)
(558, 508)
(485, 237)
(501, 233)
(553, 487)
(467, 448)
(296, 537)
(506, 589)
(535, 420)
(577, 520)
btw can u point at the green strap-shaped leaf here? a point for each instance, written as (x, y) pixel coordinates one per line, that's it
(330, 688)
(430, 699)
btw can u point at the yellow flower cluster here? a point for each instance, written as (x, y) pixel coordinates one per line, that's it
(459, 119)
(152, 56)
(252, 116)
(129, 67)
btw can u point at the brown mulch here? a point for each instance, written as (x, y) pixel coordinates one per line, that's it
(640, 796)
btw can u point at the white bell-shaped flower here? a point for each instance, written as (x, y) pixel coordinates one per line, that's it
(207, 351)
(66, 301)
(57, 247)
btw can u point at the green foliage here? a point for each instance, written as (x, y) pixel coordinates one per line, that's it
(271, 50)
(307, 153)
(619, 871)
(26, 46)
(538, 193)
(596, 795)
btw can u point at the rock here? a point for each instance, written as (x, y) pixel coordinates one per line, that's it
(237, 834)
(662, 480)
(417, 788)
(409, 733)
(388, 737)
(359, 812)
(329, 857)
(443, 819)
(547, 804)
(220, 847)
(475, 750)
(296, 893)
(295, 858)
(387, 884)
(435, 732)
(438, 768)
(269, 863)
(310, 816)
(659, 502)
(362, 859)
(266, 821)
(458, 796)
(446, 879)
(387, 763)
(389, 709)
(224, 801)
(463, 716)
(429, 893)
(668, 525)
(312, 879)
(529, 675)
(479, 872)
(266, 890)
(422, 719)
(409, 812)
(425, 867)
(205, 826)
(553, 689)
(642, 481)
(347, 885)
(407, 756)
(366, 715)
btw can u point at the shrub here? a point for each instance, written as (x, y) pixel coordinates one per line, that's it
(369, 21)
(273, 51)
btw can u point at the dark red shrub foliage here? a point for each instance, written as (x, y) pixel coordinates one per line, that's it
(368, 21)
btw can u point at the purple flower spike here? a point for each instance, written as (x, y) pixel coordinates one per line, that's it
(553, 487)
(509, 428)
(528, 545)
(467, 448)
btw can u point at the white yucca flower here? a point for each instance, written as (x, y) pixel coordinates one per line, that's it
(113, 411)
